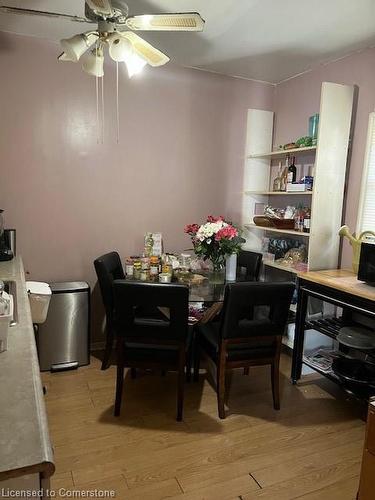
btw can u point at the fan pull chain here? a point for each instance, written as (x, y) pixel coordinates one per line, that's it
(117, 105)
(97, 101)
(102, 79)
(97, 109)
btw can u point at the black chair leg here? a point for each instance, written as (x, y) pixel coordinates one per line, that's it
(108, 349)
(196, 360)
(180, 385)
(133, 373)
(275, 385)
(246, 370)
(188, 366)
(163, 373)
(120, 377)
(220, 381)
(221, 393)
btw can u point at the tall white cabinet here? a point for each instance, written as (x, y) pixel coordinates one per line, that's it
(327, 161)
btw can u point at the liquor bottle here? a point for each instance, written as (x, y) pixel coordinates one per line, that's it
(277, 181)
(284, 179)
(292, 171)
(306, 221)
(299, 219)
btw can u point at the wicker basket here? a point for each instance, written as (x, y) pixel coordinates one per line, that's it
(265, 221)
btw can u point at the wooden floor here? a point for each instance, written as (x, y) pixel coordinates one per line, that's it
(310, 449)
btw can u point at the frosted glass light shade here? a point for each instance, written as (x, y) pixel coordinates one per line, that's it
(94, 63)
(120, 49)
(135, 64)
(64, 57)
(77, 45)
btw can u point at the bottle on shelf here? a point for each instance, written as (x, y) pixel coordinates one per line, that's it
(277, 181)
(292, 170)
(299, 218)
(284, 179)
(306, 221)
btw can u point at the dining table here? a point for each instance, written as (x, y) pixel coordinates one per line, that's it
(205, 297)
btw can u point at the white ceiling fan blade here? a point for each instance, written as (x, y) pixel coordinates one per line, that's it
(30, 12)
(185, 21)
(153, 56)
(102, 7)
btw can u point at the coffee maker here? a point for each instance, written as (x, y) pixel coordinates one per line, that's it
(7, 241)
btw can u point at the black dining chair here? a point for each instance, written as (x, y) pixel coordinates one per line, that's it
(249, 333)
(151, 343)
(108, 268)
(250, 263)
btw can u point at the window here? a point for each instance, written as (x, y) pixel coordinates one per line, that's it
(366, 214)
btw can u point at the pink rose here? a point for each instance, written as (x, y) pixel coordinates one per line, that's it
(211, 218)
(191, 229)
(227, 232)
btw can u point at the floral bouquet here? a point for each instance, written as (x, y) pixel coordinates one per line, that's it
(215, 240)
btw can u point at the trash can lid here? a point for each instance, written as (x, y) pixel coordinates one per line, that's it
(38, 287)
(69, 286)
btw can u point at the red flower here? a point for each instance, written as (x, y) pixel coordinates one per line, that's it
(227, 232)
(191, 229)
(211, 218)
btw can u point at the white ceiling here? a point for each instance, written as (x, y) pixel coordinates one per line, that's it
(268, 40)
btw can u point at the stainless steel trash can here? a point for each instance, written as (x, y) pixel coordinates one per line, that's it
(64, 339)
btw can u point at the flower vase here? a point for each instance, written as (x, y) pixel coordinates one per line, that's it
(231, 267)
(217, 275)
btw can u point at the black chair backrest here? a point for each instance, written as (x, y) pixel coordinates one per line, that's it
(251, 261)
(255, 309)
(130, 297)
(108, 268)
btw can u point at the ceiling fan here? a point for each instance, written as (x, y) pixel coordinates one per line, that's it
(115, 30)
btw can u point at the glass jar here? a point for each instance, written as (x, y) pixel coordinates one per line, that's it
(154, 265)
(144, 275)
(129, 268)
(145, 262)
(137, 267)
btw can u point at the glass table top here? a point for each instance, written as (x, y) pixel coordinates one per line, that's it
(206, 291)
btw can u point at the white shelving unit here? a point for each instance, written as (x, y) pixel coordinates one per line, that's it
(281, 193)
(282, 153)
(290, 232)
(329, 160)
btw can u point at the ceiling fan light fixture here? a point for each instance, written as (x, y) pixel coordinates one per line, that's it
(94, 63)
(120, 49)
(63, 57)
(77, 45)
(135, 64)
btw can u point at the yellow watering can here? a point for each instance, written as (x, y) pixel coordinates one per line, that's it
(355, 243)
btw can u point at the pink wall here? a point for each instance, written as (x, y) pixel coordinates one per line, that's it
(180, 156)
(298, 98)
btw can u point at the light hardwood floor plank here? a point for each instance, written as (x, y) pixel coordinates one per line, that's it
(313, 444)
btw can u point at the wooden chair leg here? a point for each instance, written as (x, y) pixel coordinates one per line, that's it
(108, 348)
(133, 373)
(246, 370)
(220, 384)
(120, 376)
(180, 384)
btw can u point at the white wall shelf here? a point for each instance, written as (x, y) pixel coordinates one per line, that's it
(281, 153)
(281, 193)
(276, 230)
(329, 167)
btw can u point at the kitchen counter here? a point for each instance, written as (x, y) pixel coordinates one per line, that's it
(25, 446)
